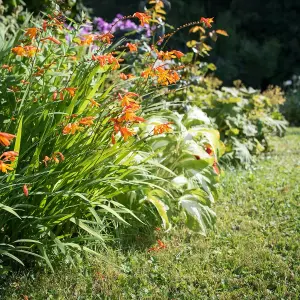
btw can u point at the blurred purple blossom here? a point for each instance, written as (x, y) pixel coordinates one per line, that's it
(118, 24)
(100, 26)
(86, 28)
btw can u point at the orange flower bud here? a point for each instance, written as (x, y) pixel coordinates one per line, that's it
(25, 190)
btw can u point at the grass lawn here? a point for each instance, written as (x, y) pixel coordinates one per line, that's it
(253, 253)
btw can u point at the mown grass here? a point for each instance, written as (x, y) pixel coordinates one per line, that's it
(253, 253)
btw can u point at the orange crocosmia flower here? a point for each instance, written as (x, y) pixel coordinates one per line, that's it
(45, 160)
(19, 50)
(152, 249)
(100, 58)
(30, 50)
(178, 54)
(9, 155)
(54, 96)
(31, 32)
(87, 39)
(207, 21)
(56, 160)
(52, 39)
(162, 128)
(61, 95)
(168, 55)
(4, 167)
(71, 128)
(123, 76)
(88, 121)
(161, 244)
(131, 94)
(39, 72)
(132, 47)
(130, 116)
(216, 168)
(126, 133)
(7, 67)
(126, 76)
(60, 155)
(62, 158)
(113, 139)
(71, 91)
(94, 103)
(148, 73)
(126, 100)
(144, 18)
(14, 89)
(165, 55)
(166, 77)
(106, 37)
(107, 60)
(114, 62)
(25, 190)
(5, 138)
(116, 125)
(133, 106)
(222, 32)
(24, 81)
(45, 25)
(173, 77)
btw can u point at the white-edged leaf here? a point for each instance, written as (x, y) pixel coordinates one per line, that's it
(161, 207)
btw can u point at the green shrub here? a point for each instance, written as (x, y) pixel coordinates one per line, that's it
(244, 117)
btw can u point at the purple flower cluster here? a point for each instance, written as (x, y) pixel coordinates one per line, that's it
(99, 26)
(86, 28)
(104, 27)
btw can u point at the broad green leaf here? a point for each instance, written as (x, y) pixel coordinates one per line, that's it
(86, 228)
(9, 209)
(161, 207)
(199, 217)
(13, 257)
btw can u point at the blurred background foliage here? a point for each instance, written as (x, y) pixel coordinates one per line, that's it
(264, 44)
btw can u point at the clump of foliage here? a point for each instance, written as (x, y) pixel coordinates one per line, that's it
(84, 148)
(291, 108)
(244, 117)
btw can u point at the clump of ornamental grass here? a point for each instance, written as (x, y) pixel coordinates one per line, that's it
(81, 149)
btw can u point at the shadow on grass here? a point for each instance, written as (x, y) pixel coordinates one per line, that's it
(137, 237)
